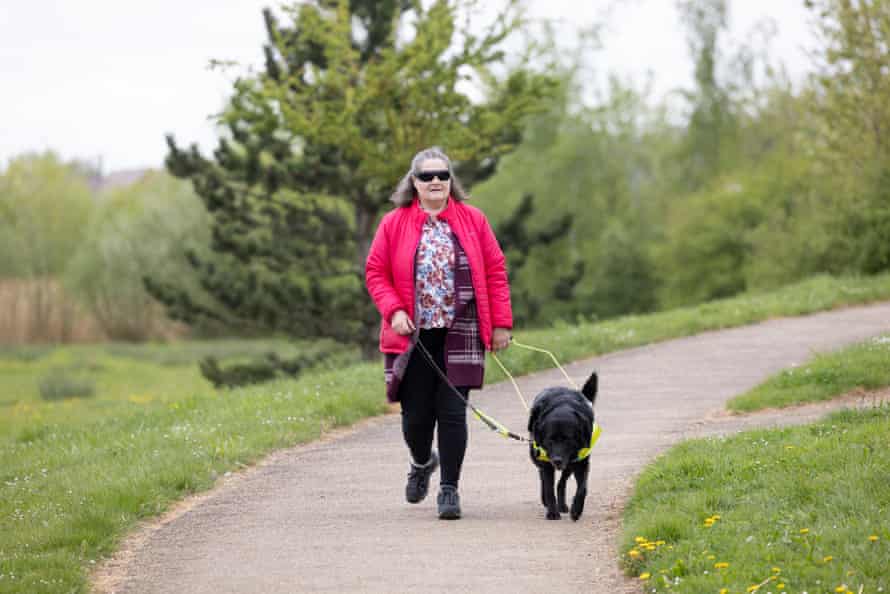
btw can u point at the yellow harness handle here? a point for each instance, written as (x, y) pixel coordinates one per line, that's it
(513, 381)
(555, 362)
(515, 385)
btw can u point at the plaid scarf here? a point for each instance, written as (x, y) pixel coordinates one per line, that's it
(464, 352)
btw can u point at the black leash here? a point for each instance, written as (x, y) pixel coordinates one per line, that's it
(489, 422)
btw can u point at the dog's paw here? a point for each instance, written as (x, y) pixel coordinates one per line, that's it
(577, 509)
(553, 515)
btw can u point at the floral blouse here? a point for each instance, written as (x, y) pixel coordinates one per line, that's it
(434, 275)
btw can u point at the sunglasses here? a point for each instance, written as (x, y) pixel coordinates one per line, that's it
(427, 176)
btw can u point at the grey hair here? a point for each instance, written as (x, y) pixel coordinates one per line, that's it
(405, 192)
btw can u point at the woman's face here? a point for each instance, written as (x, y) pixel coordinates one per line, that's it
(435, 191)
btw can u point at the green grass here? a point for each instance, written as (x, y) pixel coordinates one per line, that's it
(806, 507)
(865, 365)
(77, 474)
(69, 489)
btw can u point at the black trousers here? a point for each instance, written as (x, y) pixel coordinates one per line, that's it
(427, 401)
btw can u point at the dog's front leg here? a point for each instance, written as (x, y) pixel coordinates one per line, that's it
(548, 497)
(582, 471)
(561, 490)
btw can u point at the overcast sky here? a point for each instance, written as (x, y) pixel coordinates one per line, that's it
(107, 79)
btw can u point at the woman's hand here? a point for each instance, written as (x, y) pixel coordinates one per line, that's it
(500, 339)
(401, 323)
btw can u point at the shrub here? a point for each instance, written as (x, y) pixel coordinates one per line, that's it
(60, 383)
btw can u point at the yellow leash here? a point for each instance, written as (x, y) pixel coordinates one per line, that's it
(515, 385)
(539, 350)
(493, 424)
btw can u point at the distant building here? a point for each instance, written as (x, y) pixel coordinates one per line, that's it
(117, 179)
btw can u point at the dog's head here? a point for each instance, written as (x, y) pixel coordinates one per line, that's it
(561, 421)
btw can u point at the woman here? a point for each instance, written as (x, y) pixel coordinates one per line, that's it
(438, 276)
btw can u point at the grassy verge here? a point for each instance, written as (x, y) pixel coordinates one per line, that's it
(865, 365)
(804, 509)
(78, 473)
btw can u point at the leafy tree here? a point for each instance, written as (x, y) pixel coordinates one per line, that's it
(624, 279)
(595, 167)
(315, 143)
(853, 106)
(707, 246)
(710, 122)
(143, 228)
(44, 207)
(517, 240)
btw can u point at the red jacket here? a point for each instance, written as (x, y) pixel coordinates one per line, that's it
(389, 271)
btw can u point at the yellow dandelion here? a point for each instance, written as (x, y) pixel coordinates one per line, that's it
(776, 570)
(711, 557)
(780, 586)
(804, 530)
(841, 588)
(659, 542)
(645, 576)
(721, 565)
(716, 516)
(724, 590)
(753, 588)
(827, 558)
(634, 553)
(640, 539)
(873, 537)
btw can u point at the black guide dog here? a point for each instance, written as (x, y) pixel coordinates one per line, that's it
(561, 427)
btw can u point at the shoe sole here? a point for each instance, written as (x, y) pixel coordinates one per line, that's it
(449, 515)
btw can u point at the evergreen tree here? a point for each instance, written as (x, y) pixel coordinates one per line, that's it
(351, 90)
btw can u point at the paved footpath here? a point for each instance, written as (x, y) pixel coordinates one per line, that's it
(330, 516)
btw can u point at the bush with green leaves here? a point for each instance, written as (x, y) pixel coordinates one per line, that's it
(142, 229)
(59, 383)
(45, 204)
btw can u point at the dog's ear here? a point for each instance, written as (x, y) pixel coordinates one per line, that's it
(589, 389)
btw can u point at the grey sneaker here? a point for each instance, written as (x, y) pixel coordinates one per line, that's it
(419, 479)
(449, 503)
